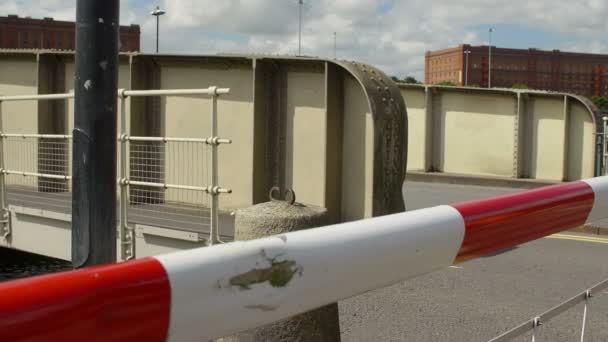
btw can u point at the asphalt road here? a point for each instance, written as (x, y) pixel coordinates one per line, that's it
(482, 298)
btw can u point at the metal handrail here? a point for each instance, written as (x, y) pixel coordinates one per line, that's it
(213, 91)
(126, 231)
(35, 174)
(209, 141)
(537, 321)
(127, 236)
(605, 144)
(44, 136)
(36, 97)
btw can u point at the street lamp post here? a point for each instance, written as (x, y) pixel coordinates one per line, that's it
(490, 58)
(157, 13)
(300, 4)
(466, 67)
(335, 45)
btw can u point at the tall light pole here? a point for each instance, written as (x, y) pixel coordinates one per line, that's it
(466, 67)
(490, 57)
(157, 13)
(300, 4)
(335, 45)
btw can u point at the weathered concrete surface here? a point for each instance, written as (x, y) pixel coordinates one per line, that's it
(278, 217)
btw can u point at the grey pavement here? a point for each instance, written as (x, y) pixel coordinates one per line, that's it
(486, 296)
(424, 195)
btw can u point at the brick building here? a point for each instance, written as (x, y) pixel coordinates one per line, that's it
(28, 33)
(578, 73)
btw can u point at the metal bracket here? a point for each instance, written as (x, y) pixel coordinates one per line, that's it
(5, 226)
(289, 195)
(127, 243)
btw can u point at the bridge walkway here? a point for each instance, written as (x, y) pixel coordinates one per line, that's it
(182, 217)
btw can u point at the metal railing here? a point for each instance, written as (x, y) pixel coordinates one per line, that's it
(145, 156)
(35, 171)
(533, 324)
(604, 142)
(15, 169)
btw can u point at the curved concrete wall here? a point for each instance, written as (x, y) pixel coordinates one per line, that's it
(500, 132)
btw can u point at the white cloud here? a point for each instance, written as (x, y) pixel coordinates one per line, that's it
(390, 34)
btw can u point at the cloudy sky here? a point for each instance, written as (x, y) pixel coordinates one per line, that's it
(391, 34)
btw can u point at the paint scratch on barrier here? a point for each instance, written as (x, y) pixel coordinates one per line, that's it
(278, 274)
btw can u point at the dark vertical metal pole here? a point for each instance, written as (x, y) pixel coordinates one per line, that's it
(94, 155)
(157, 20)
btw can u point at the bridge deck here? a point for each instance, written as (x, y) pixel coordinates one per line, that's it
(179, 216)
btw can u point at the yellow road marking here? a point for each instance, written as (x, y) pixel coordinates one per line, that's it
(578, 238)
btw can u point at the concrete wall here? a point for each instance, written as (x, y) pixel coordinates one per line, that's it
(415, 101)
(19, 76)
(477, 139)
(502, 133)
(547, 139)
(189, 116)
(357, 154)
(306, 124)
(581, 142)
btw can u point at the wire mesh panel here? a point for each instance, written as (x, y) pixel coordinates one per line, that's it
(36, 170)
(177, 163)
(162, 181)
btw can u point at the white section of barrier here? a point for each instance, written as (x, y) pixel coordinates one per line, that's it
(258, 282)
(600, 203)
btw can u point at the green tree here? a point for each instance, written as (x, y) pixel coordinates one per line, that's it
(519, 86)
(601, 102)
(411, 80)
(395, 78)
(446, 83)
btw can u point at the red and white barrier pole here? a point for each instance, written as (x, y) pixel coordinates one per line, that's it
(200, 294)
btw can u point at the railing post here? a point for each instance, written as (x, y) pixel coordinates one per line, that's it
(214, 222)
(127, 236)
(5, 228)
(587, 296)
(604, 144)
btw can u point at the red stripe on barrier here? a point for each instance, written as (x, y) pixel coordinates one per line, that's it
(494, 224)
(118, 302)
